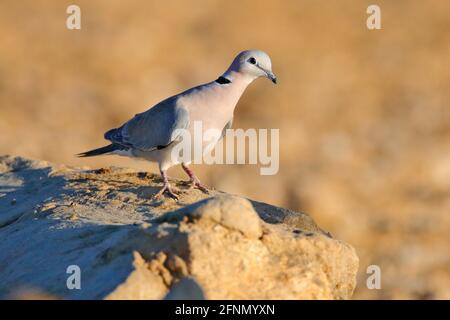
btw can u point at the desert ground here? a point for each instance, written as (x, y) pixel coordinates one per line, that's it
(127, 245)
(364, 115)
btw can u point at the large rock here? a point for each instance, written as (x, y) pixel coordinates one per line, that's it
(131, 247)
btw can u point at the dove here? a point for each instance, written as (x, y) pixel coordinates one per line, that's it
(151, 135)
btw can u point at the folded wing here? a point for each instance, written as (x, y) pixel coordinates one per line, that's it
(152, 129)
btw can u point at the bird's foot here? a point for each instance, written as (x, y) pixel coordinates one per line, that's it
(171, 192)
(195, 183)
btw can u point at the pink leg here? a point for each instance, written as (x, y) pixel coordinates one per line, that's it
(166, 187)
(194, 180)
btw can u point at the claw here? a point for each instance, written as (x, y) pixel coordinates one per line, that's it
(195, 182)
(167, 188)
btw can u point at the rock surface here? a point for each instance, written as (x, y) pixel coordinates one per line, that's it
(128, 246)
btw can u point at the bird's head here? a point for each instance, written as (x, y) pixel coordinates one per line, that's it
(254, 64)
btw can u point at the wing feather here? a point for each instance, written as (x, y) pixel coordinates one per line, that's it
(152, 129)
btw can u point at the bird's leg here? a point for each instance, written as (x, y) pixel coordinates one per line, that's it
(195, 182)
(166, 187)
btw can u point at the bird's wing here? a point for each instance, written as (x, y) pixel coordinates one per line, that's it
(227, 126)
(152, 129)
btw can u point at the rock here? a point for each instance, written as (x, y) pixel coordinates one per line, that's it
(186, 289)
(141, 284)
(230, 211)
(215, 246)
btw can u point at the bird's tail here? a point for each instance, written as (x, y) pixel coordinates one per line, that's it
(96, 152)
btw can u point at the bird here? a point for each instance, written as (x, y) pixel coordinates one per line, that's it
(150, 135)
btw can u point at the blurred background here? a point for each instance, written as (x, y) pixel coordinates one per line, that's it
(364, 116)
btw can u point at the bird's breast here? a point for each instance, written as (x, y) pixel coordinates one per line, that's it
(213, 107)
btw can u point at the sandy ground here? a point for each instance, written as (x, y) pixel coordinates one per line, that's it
(127, 245)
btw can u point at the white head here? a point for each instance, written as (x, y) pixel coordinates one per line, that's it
(253, 64)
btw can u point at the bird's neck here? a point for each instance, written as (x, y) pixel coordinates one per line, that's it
(236, 86)
(238, 78)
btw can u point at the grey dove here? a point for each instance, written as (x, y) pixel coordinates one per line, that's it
(151, 135)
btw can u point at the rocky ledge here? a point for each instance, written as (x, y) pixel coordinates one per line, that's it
(58, 223)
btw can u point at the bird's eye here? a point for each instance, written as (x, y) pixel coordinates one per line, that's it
(252, 60)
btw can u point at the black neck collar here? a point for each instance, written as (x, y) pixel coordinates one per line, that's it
(223, 80)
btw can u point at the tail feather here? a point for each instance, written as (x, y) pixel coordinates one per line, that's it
(96, 152)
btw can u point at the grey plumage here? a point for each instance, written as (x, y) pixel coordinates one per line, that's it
(227, 126)
(151, 129)
(150, 135)
(103, 150)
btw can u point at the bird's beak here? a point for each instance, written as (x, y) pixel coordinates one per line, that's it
(271, 76)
